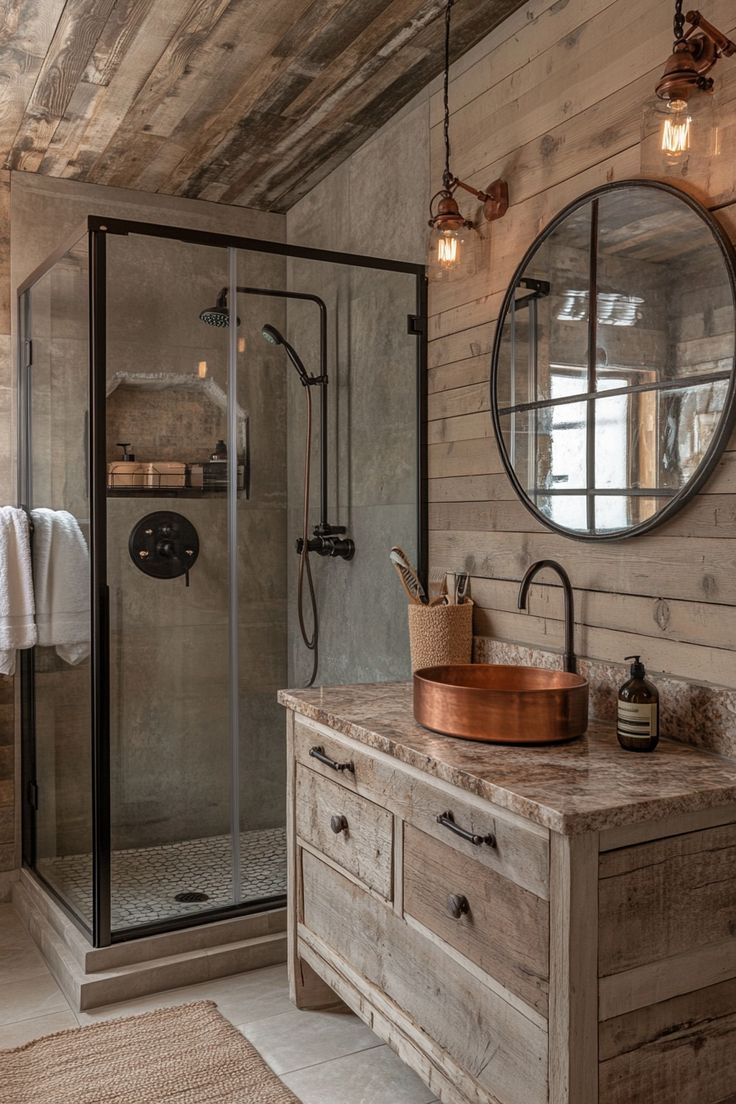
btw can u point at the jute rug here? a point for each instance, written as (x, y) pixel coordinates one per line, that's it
(187, 1055)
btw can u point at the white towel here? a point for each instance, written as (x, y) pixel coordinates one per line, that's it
(17, 625)
(61, 581)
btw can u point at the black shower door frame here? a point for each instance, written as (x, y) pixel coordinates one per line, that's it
(98, 229)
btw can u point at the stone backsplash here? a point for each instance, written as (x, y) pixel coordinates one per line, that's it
(695, 713)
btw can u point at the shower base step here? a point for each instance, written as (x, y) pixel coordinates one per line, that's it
(91, 977)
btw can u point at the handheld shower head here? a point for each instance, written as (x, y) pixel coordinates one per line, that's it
(275, 337)
(272, 335)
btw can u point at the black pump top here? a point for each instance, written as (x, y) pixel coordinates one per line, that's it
(638, 670)
(125, 445)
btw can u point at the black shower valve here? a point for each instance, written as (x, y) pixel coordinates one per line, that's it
(164, 545)
(330, 544)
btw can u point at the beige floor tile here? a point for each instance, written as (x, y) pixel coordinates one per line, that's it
(243, 997)
(298, 1039)
(16, 1034)
(32, 997)
(19, 956)
(374, 1076)
(329, 1056)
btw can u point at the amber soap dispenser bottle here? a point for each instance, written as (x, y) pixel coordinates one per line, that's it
(638, 710)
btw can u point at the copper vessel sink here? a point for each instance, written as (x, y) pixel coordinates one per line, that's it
(501, 705)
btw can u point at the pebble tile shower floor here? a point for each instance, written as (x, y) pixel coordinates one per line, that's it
(147, 880)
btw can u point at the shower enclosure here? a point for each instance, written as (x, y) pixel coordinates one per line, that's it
(153, 751)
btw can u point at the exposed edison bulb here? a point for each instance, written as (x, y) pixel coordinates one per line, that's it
(675, 130)
(447, 248)
(451, 253)
(678, 136)
(202, 369)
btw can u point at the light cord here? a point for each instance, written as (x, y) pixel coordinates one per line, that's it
(447, 175)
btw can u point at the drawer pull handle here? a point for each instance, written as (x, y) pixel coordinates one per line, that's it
(447, 820)
(457, 905)
(319, 753)
(339, 823)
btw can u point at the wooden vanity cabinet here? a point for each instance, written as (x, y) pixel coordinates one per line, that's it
(507, 963)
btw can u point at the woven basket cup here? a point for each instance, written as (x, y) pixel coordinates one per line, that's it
(440, 634)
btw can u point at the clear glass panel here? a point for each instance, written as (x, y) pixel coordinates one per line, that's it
(201, 566)
(169, 726)
(262, 555)
(371, 450)
(58, 494)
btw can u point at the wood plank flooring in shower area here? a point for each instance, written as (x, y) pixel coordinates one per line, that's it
(148, 882)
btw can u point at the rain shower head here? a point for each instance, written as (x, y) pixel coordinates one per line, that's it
(219, 315)
(214, 316)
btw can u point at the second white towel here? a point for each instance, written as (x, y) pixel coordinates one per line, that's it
(62, 585)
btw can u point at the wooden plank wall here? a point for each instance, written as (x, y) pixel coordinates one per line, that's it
(551, 101)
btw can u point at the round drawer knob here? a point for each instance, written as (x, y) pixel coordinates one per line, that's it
(457, 905)
(339, 823)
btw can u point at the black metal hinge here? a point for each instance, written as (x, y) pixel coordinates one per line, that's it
(416, 324)
(33, 795)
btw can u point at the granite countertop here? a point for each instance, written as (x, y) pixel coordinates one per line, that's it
(586, 785)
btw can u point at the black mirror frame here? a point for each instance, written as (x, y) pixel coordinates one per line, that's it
(727, 421)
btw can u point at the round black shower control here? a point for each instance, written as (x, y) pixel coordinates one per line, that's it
(164, 545)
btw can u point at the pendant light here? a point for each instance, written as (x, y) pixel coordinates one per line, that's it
(454, 241)
(678, 125)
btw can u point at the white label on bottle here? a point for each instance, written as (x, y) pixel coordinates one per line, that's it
(637, 721)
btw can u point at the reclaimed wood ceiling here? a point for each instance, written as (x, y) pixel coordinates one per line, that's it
(249, 102)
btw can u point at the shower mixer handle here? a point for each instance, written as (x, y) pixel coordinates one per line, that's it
(332, 545)
(164, 545)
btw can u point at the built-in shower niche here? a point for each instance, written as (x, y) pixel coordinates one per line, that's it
(171, 424)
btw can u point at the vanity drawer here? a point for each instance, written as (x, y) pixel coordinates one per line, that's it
(501, 1050)
(502, 842)
(347, 828)
(519, 851)
(499, 926)
(331, 757)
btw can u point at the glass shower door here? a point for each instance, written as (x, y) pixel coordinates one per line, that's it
(168, 575)
(56, 676)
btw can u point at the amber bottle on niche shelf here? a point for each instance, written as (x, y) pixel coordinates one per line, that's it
(638, 711)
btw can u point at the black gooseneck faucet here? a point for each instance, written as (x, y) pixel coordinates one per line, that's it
(571, 663)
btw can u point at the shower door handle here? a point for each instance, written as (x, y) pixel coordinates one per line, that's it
(319, 753)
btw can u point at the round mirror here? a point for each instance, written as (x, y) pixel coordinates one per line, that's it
(612, 383)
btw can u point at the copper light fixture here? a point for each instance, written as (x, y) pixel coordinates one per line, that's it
(680, 121)
(454, 239)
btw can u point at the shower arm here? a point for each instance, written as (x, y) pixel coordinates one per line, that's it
(324, 529)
